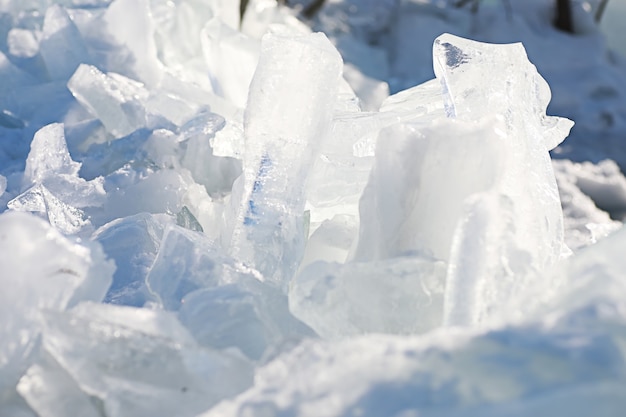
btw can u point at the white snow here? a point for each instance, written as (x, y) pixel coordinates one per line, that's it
(370, 211)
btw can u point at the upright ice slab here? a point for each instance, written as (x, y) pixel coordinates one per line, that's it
(286, 121)
(519, 220)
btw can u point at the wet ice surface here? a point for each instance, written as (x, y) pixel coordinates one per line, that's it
(207, 217)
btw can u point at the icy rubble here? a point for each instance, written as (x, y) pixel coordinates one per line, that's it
(253, 201)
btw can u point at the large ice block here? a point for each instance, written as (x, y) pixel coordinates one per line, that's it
(287, 117)
(518, 220)
(40, 269)
(141, 362)
(402, 295)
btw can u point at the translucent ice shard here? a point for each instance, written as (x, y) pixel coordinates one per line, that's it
(187, 261)
(112, 98)
(133, 243)
(52, 185)
(401, 295)
(65, 218)
(140, 362)
(62, 46)
(526, 238)
(49, 156)
(480, 79)
(40, 269)
(287, 117)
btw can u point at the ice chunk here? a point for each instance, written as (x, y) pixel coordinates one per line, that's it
(231, 58)
(49, 156)
(221, 301)
(12, 77)
(332, 240)
(112, 98)
(51, 391)
(287, 118)
(22, 43)
(131, 25)
(188, 261)
(62, 46)
(140, 362)
(401, 295)
(472, 89)
(422, 174)
(132, 242)
(49, 163)
(56, 190)
(130, 192)
(42, 269)
(216, 173)
(65, 218)
(249, 315)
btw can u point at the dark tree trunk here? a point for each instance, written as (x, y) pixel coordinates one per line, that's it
(563, 19)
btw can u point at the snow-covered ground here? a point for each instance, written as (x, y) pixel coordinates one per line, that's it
(351, 214)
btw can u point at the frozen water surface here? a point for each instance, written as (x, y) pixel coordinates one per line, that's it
(206, 215)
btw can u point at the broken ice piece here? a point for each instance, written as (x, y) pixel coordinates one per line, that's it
(43, 270)
(401, 295)
(63, 217)
(49, 156)
(287, 118)
(249, 315)
(141, 362)
(188, 261)
(49, 163)
(480, 79)
(112, 98)
(133, 243)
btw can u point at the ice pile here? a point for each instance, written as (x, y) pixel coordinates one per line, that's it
(252, 204)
